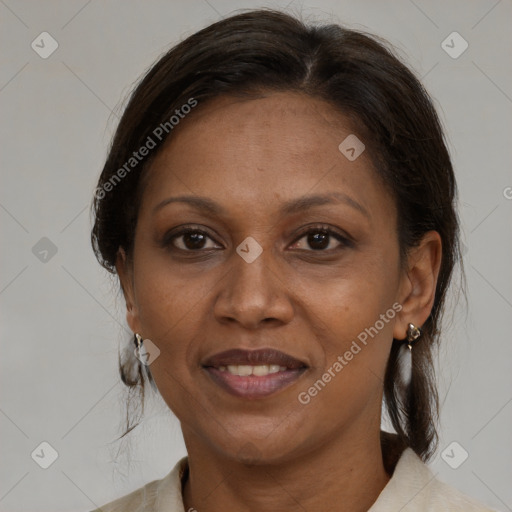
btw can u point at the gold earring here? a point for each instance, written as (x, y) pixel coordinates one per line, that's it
(137, 339)
(413, 333)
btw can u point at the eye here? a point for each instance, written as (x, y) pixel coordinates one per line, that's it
(189, 239)
(320, 238)
(317, 238)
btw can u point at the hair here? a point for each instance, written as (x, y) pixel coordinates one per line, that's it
(360, 76)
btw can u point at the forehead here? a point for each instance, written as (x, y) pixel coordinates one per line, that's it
(278, 146)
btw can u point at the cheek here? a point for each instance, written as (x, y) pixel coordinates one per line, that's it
(166, 296)
(354, 307)
(168, 310)
(354, 317)
(356, 327)
(356, 342)
(351, 299)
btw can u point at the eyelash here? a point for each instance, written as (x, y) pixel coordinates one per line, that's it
(326, 230)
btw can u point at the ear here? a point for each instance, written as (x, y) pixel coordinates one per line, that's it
(418, 283)
(125, 273)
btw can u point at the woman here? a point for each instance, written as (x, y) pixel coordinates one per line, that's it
(278, 203)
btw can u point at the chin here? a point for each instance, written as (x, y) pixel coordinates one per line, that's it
(257, 447)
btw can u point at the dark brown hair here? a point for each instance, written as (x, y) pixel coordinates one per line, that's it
(362, 78)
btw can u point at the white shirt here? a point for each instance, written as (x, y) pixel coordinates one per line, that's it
(412, 488)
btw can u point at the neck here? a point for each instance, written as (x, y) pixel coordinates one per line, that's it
(347, 474)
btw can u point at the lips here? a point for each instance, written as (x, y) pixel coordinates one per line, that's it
(253, 374)
(253, 358)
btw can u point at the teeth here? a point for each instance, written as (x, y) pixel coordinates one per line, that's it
(242, 369)
(261, 371)
(245, 370)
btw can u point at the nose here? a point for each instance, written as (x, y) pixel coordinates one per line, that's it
(253, 293)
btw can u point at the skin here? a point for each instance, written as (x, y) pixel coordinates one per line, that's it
(250, 157)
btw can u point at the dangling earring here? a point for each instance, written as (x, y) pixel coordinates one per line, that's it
(413, 333)
(412, 336)
(137, 340)
(139, 353)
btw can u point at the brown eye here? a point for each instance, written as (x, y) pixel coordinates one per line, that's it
(194, 240)
(318, 240)
(321, 239)
(189, 240)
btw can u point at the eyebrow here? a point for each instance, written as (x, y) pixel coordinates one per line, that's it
(295, 205)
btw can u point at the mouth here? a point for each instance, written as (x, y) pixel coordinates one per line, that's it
(253, 374)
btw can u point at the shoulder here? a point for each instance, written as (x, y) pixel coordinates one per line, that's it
(413, 488)
(162, 495)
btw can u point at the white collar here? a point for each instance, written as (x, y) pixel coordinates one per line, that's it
(412, 488)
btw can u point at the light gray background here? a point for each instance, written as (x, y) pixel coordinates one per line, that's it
(62, 319)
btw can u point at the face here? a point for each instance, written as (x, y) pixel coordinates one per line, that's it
(285, 255)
